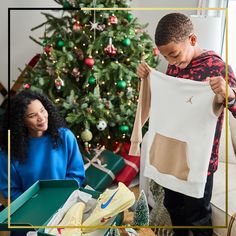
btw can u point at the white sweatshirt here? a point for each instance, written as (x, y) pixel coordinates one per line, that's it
(183, 117)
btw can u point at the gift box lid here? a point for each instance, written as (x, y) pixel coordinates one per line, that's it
(40, 202)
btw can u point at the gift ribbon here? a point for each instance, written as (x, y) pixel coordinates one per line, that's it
(130, 163)
(97, 163)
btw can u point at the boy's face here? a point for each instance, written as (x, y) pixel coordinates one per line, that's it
(179, 54)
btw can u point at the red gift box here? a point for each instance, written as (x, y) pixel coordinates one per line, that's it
(131, 169)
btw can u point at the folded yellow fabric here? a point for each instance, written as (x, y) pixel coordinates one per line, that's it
(109, 204)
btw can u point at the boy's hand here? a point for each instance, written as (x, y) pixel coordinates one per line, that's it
(143, 70)
(218, 86)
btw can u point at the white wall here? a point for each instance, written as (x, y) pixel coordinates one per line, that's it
(231, 36)
(23, 49)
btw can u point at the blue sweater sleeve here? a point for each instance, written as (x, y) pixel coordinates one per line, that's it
(64, 162)
(16, 188)
(75, 166)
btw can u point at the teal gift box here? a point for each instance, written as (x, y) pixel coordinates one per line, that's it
(101, 168)
(36, 206)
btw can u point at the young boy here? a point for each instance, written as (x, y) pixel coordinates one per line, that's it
(177, 42)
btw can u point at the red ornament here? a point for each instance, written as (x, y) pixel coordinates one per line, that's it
(89, 61)
(77, 26)
(155, 51)
(110, 49)
(27, 86)
(47, 49)
(113, 20)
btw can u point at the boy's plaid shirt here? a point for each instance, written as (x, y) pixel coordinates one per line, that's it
(208, 64)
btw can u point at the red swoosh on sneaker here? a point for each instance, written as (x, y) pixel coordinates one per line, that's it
(105, 219)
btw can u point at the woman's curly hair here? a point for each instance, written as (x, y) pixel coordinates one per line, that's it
(14, 120)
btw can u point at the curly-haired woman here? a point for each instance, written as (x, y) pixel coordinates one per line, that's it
(41, 145)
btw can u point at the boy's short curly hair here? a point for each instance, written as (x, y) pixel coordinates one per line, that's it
(173, 27)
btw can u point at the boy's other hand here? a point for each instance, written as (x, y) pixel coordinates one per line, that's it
(218, 86)
(143, 70)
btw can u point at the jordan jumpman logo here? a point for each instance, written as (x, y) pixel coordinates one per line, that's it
(190, 100)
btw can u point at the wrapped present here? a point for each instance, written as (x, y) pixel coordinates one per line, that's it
(101, 168)
(132, 164)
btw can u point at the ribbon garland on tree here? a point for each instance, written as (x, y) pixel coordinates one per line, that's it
(94, 24)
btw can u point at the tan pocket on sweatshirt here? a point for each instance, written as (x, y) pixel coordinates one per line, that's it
(168, 156)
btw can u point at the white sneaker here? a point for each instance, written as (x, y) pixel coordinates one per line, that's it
(109, 204)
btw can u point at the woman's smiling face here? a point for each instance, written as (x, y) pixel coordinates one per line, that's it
(36, 118)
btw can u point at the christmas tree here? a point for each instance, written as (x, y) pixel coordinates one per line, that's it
(87, 68)
(141, 214)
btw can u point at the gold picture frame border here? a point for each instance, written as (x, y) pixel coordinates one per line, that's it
(226, 120)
